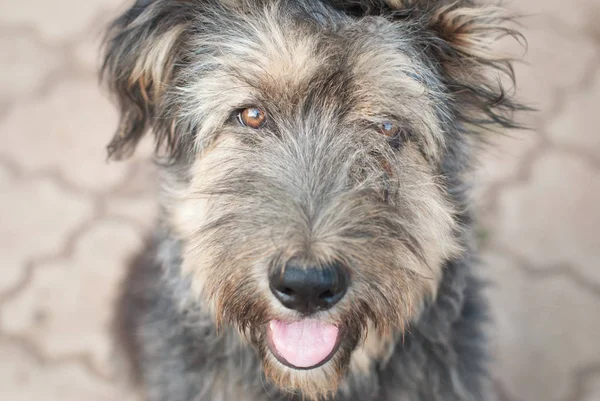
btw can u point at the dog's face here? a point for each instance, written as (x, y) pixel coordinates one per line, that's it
(311, 143)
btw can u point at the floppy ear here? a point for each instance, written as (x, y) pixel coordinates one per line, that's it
(142, 49)
(460, 36)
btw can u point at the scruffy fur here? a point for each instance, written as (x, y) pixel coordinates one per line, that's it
(318, 181)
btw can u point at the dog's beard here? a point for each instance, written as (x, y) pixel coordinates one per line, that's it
(242, 300)
(239, 297)
(355, 321)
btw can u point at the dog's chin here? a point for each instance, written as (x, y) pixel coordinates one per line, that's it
(306, 344)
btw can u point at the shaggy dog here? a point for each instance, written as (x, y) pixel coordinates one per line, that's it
(315, 239)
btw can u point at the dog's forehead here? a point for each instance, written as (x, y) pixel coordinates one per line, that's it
(285, 61)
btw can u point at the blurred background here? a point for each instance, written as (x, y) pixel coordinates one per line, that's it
(69, 221)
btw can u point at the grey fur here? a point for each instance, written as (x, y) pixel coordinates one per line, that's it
(180, 356)
(319, 181)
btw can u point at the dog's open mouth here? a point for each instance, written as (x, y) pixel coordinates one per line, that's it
(304, 344)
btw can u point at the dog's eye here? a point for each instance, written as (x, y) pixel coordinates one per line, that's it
(252, 117)
(388, 128)
(395, 134)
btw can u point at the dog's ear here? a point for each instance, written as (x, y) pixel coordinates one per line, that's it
(458, 37)
(461, 38)
(142, 48)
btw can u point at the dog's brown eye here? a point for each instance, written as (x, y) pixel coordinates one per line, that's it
(252, 117)
(388, 128)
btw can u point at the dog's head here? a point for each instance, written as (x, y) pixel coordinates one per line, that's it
(315, 147)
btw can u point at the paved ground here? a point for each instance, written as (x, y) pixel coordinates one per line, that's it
(69, 221)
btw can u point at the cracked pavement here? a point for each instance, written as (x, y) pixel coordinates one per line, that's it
(70, 221)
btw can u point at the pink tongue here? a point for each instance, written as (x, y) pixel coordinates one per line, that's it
(303, 344)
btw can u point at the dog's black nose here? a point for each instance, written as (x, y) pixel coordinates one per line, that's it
(308, 289)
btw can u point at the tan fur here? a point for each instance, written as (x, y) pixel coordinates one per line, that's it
(319, 181)
(399, 4)
(433, 229)
(474, 30)
(376, 347)
(380, 91)
(283, 62)
(155, 68)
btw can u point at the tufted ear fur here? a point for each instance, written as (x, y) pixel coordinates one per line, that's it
(142, 49)
(475, 72)
(458, 37)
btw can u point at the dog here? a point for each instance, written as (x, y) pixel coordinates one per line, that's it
(315, 239)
